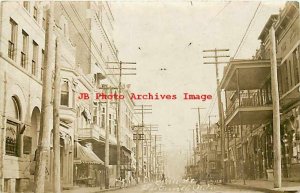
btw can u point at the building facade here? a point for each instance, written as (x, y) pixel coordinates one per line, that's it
(84, 31)
(248, 116)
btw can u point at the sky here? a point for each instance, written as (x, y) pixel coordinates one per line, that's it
(163, 30)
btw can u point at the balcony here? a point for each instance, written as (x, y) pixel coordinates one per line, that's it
(245, 74)
(89, 133)
(67, 114)
(249, 107)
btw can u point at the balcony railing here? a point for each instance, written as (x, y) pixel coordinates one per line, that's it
(11, 50)
(23, 59)
(89, 133)
(253, 98)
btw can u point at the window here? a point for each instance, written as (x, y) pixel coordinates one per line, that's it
(296, 71)
(35, 49)
(64, 100)
(24, 52)
(115, 127)
(27, 144)
(103, 118)
(12, 128)
(12, 43)
(109, 123)
(42, 64)
(95, 115)
(44, 20)
(26, 5)
(35, 12)
(84, 120)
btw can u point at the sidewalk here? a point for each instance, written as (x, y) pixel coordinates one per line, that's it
(94, 189)
(266, 186)
(89, 190)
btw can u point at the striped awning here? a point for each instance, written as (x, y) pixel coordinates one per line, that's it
(87, 156)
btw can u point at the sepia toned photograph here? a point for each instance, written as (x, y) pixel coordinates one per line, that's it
(150, 96)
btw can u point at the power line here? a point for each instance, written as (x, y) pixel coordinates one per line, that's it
(239, 46)
(247, 29)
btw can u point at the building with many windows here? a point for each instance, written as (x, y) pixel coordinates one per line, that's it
(248, 116)
(84, 57)
(22, 42)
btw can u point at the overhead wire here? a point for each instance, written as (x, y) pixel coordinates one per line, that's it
(237, 50)
(247, 29)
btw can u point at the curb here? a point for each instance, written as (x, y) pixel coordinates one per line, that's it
(261, 189)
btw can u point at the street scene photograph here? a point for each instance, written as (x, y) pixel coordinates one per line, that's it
(139, 96)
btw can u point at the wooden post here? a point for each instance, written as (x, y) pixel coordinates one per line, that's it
(106, 159)
(119, 124)
(150, 162)
(56, 121)
(137, 147)
(276, 112)
(143, 172)
(46, 110)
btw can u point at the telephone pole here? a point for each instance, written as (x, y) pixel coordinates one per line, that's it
(276, 111)
(199, 121)
(106, 126)
(120, 74)
(137, 139)
(194, 147)
(46, 110)
(56, 120)
(144, 109)
(209, 116)
(216, 62)
(150, 128)
(156, 138)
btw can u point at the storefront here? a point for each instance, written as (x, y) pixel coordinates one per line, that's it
(89, 169)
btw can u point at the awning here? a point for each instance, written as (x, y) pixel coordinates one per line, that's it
(87, 156)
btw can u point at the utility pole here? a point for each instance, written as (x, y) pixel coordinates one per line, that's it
(120, 68)
(143, 111)
(209, 130)
(106, 150)
(156, 138)
(149, 157)
(106, 147)
(56, 121)
(216, 62)
(137, 144)
(276, 111)
(46, 110)
(194, 147)
(199, 121)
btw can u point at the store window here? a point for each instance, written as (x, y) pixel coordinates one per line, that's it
(12, 128)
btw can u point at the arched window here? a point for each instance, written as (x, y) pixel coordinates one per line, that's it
(13, 127)
(64, 100)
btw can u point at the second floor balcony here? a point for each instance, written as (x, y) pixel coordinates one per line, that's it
(249, 107)
(245, 74)
(89, 133)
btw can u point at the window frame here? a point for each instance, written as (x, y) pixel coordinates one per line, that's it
(12, 42)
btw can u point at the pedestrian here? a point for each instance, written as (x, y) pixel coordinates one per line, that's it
(163, 178)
